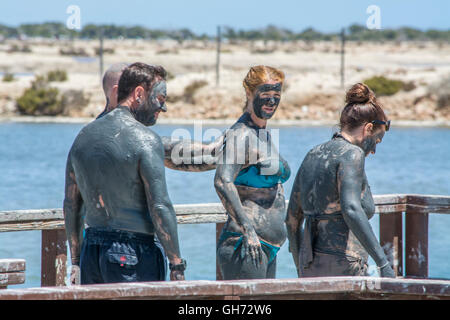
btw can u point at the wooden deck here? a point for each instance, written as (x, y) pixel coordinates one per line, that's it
(298, 289)
(414, 210)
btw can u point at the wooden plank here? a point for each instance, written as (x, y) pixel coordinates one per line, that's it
(53, 258)
(303, 288)
(11, 278)
(431, 208)
(426, 200)
(12, 265)
(219, 228)
(416, 244)
(31, 215)
(53, 219)
(201, 218)
(391, 239)
(30, 226)
(390, 208)
(384, 199)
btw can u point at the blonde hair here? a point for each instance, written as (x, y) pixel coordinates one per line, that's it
(261, 74)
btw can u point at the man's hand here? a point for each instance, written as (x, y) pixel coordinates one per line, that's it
(75, 275)
(176, 275)
(387, 272)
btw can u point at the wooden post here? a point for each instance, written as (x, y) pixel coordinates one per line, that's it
(416, 244)
(53, 258)
(219, 227)
(391, 239)
(100, 53)
(219, 40)
(342, 58)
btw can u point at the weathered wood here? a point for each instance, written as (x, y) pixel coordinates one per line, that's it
(428, 200)
(219, 228)
(417, 207)
(11, 278)
(12, 271)
(53, 219)
(12, 265)
(304, 288)
(53, 258)
(416, 244)
(391, 239)
(31, 226)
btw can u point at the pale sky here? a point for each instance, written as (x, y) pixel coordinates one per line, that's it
(203, 16)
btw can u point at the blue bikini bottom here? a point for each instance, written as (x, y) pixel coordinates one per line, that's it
(271, 250)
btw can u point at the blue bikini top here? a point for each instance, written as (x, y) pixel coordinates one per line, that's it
(252, 177)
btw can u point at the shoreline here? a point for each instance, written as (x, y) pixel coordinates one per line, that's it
(221, 122)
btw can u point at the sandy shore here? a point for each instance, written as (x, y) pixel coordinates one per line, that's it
(312, 93)
(221, 122)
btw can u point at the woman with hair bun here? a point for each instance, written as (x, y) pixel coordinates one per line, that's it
(249, 181)
(332, 197)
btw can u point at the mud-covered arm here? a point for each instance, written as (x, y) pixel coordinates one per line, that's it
(73, 217)
(350, 178)
(294, 220)
(189, 155)
(162, 213)
(226, 173)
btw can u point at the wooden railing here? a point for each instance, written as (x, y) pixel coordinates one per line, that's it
(391, 208)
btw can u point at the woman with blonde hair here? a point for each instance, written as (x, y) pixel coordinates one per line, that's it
(249, 181)
(331, 203)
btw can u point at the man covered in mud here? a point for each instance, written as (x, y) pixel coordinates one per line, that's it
(115, 168)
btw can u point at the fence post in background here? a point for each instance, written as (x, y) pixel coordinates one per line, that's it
(391, 239)
(416, 244)
(53, 258)
(100, 53)
(219, 40)
(342, 58)
(219, 227)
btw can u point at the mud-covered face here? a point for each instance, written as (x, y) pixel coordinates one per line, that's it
(266, 100)
(147, 112)
(369, 143)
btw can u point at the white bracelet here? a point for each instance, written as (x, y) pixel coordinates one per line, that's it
(387, 263)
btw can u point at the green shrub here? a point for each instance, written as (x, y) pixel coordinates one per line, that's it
(39, 99)
(57, 75)
(8, 77)
(105, 51)
(383, 86)
(23, 48)
(71, 51)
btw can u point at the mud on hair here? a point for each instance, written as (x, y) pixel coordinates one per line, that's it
(361, 107)
(138, 74)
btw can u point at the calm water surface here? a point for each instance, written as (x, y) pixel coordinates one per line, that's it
(33, 159)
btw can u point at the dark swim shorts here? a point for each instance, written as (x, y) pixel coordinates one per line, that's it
(110, 256)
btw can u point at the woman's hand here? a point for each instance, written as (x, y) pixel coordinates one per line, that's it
(252, 247)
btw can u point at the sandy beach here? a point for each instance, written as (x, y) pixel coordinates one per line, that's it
(312, 94)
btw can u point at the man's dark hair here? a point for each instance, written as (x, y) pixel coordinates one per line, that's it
(138, 74)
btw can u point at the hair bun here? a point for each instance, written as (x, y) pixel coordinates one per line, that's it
(359, 94)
